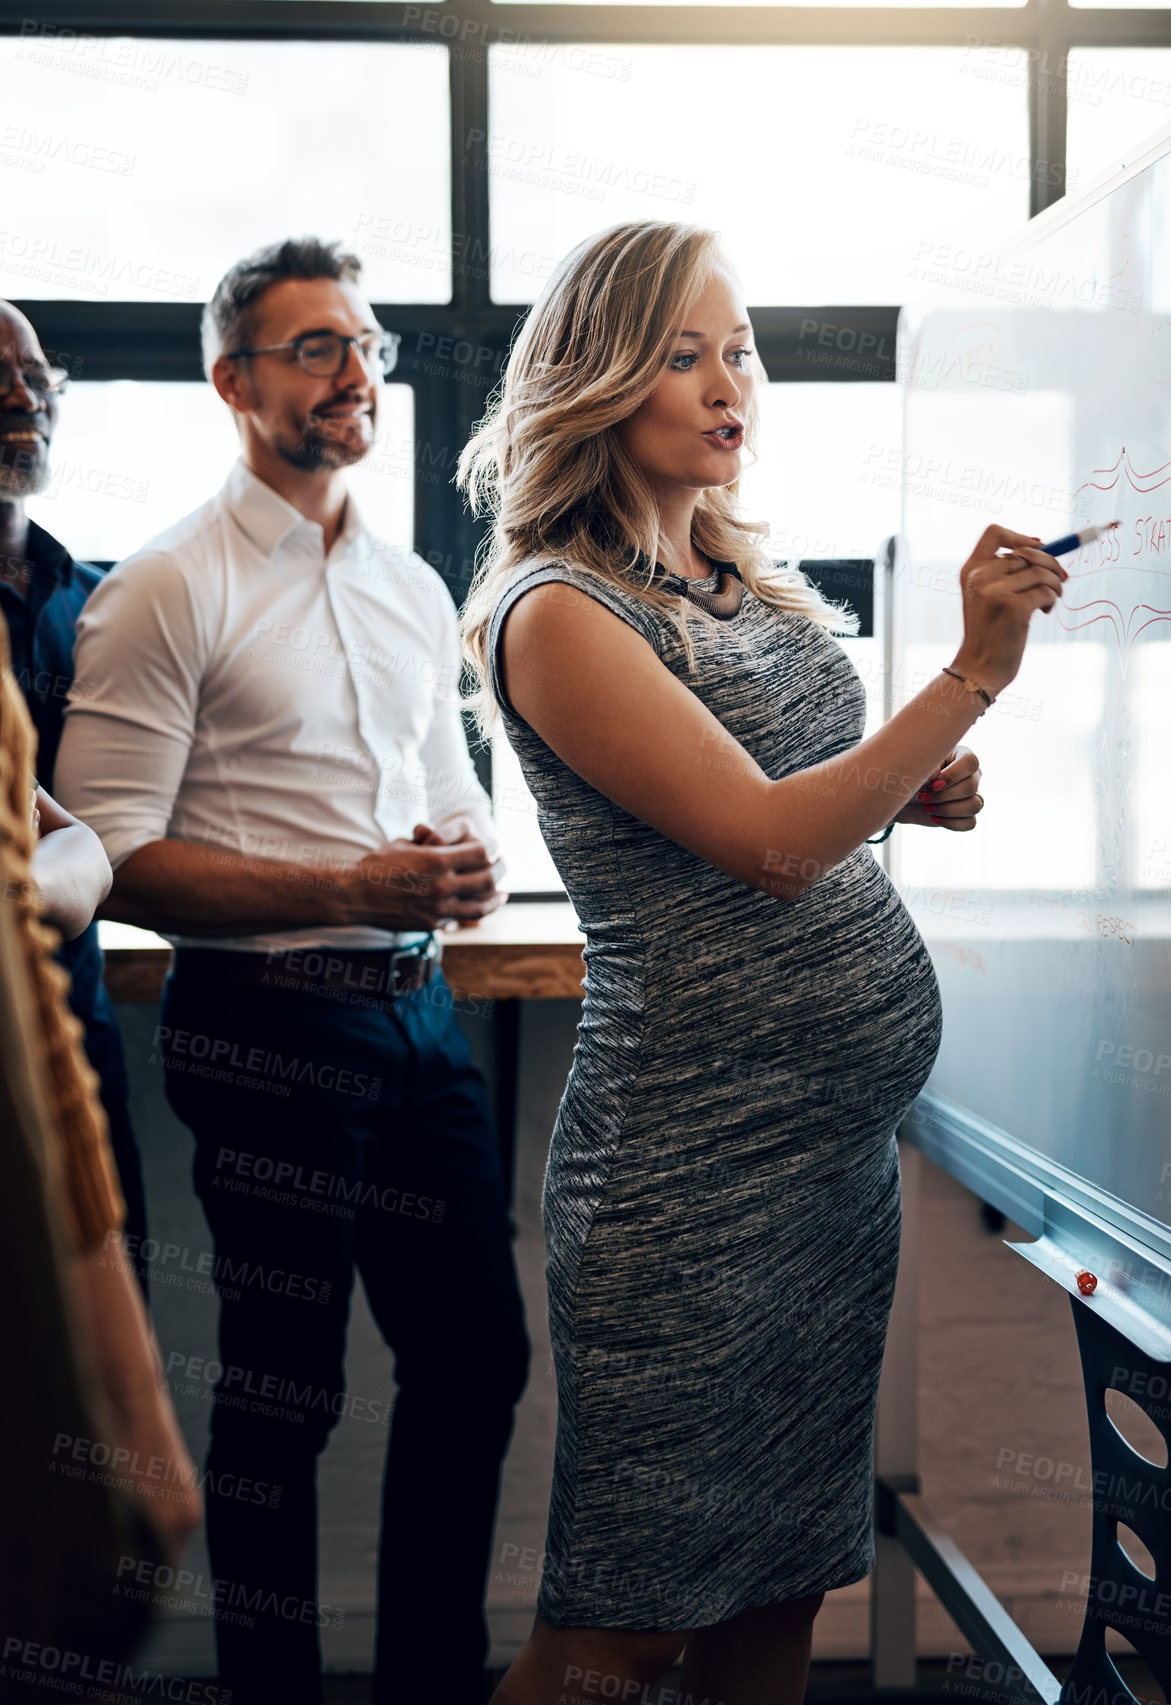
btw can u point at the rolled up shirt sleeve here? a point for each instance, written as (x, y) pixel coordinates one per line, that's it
(453, 787)
(131, 713)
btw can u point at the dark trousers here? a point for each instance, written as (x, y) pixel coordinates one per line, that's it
(332, 1135)
(103, 1045)
(82, 959)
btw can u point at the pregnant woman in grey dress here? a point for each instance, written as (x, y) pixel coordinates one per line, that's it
(721, 1202)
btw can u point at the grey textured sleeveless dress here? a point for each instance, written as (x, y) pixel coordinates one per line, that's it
(721, 1201)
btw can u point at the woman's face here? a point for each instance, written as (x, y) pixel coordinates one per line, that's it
(690, 430)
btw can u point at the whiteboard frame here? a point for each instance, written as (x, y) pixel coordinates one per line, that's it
(1077, 1226)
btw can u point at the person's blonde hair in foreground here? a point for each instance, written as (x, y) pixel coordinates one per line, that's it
(722, 1197)
(81, 1358)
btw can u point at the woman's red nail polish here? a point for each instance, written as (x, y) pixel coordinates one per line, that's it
(938, 783)
(924, 798)
(936, 819)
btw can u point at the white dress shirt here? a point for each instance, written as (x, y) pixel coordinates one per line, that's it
(237, 688)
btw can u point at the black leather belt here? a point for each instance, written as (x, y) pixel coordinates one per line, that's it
(383, 972)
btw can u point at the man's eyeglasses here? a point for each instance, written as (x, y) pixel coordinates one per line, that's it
(323, 354)
(41, 381)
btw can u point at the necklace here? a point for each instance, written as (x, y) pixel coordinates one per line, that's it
(722, 600)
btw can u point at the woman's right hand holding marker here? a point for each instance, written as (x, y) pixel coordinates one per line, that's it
(999, 595)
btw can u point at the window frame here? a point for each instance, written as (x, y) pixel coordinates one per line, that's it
(138, 340)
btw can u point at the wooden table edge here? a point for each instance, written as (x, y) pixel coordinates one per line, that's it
(476, 970)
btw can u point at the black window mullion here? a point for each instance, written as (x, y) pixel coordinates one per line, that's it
(1105, 27)
(479, 347)
(1046, 95)
(442, 537)
(479, 20)
(764, 26)
(458, 367)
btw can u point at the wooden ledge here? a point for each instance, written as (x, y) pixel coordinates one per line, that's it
(525, 951)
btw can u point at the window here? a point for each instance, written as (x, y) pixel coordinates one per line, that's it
(139, 170)
(530, 870)
(825, 486)
(130, 458)
(1118, 98)
(840, 175)
(823, 480)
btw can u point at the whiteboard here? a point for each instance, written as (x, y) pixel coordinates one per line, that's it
(1037, 393)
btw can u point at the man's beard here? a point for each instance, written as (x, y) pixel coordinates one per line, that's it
(315, 451)
(23, 473)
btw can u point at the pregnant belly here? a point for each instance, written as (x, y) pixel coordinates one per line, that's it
(854, 1005)
(760, 1010)
(832, 1002)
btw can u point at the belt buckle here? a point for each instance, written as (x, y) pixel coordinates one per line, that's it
(426, 955)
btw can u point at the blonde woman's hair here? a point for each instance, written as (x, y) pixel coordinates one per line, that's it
(547, 463)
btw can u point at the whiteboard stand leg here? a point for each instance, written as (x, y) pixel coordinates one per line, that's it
(892, 1586)
(892, 1616)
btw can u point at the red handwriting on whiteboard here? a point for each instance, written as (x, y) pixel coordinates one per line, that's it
(1152, 535)
(1105, 479)
(1152, 538)
(1124, 625)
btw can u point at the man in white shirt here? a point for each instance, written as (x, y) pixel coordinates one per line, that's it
(265, 732)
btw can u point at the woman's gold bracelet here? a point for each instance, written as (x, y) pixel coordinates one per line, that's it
(972, 686)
